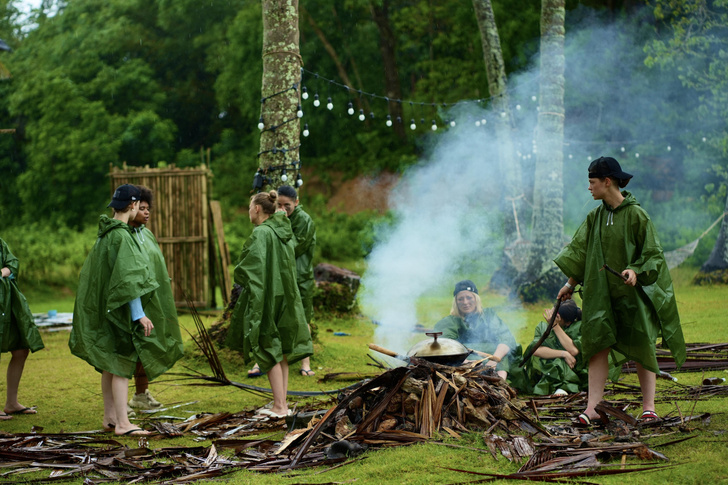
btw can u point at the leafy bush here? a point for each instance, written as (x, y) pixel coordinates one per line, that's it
(49, 256)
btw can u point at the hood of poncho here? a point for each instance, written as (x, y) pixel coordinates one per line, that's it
(107, 224)
(280, 225)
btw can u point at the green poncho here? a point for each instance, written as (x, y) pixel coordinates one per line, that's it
(304, 232)
(547, 375)
(268, 321)
(165, 348)
(621, 317)
(483, 332)
(115, 272)
(17, 327)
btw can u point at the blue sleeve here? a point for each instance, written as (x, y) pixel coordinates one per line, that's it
(137, 311)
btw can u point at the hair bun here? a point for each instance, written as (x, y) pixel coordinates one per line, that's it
(273, 195)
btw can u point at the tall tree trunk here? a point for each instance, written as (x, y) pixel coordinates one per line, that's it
(715, 269)
(510, 165)
(543, 279)
(280, 138)
(387, 46)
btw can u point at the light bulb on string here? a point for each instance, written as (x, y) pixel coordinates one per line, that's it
(704, 139)
(284, 177)
(483, 121)
(399, 120)
(636, 155)
(669, 148)
(622, 149)
(299, 111)
(571, 156)
(503, 114)
(389, 120)
(329, 104)
(304, 93)
(362, 117)
(371, 114)
(305, 130)
(533, 98)
(299, 180)
(261, 125)
(518, 107)
(452, 123)
(434, 126)
(413, 125)
(477, 122)
(316, 101)
(350, 109)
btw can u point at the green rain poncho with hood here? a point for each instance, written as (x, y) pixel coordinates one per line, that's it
(268, 321)
(545, 376)
(304, 232)
(17, 327)
(483, 332)
(165, 348)
(615, 315)
(115, 272)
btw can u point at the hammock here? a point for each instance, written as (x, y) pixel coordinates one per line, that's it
(676, 257)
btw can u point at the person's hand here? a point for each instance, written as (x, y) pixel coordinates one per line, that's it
(491, 363)
(565, 293)
(631, 277)
(548, 313)
(570, 359)
(5, 272)
(147, 324)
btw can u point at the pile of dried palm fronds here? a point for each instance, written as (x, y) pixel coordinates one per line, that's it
(699, 357)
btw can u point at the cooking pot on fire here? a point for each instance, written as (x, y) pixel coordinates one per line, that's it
(438, 350)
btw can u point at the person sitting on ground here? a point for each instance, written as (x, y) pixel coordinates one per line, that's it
(160, 309)
(268, 324)
(18, 332)
(556, 367)
(110, 328)
(304, 231)
(480, 329)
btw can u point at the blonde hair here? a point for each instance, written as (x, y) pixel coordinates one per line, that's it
(267, 201)
(455, 311)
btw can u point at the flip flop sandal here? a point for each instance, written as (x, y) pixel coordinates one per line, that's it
(255, 371)
(135, 430)
(583, 420)
(307, 372)
(5, 416)
(24, 411)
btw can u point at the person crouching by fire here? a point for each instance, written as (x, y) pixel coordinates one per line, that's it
(556, 367)
(480, 329)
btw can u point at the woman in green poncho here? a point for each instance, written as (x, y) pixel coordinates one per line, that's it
(110, 329)
(167, 348)
(268, 324)
(304, 232)
(480, 329)
(18, 333)
(557, 367)
(622, 315)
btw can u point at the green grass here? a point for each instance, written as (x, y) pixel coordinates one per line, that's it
(67, 393)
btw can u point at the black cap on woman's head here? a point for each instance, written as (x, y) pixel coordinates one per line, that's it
(464, 285)
(607, 167)
(124, 195)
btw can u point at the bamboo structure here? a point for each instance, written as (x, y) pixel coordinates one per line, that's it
(181, 223)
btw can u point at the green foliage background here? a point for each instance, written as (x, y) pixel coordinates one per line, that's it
(97, 83)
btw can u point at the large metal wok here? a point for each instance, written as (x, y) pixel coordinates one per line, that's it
(440, 350)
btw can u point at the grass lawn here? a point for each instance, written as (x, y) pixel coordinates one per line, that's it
(66, 391)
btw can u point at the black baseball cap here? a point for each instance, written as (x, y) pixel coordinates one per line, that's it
(464, 285)
(607, 167)
(124, 195)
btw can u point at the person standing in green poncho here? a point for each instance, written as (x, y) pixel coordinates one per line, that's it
(18, 332)
(480, 329)
(168, 347)
(304, 232)
(557, 366)
(110, 329)
(268, 324)
(624, 316)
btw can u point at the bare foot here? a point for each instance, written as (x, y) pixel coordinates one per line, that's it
(20, 409)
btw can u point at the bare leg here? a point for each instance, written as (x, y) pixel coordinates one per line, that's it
(141, 381)
(120, 391)
(502, 374)
(278, 377)
(647, 384)
(15, 372)
(598, 373)
(109, 410)
(306, 363)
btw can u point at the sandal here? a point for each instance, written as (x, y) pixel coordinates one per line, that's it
(307, 372)
(255, 371)
(5, 416)
(583, 420)
(649, 416)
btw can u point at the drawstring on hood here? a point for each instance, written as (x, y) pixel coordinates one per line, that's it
(139, 234)
(610, 218)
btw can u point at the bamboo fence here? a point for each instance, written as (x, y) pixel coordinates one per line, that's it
(181, 223)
